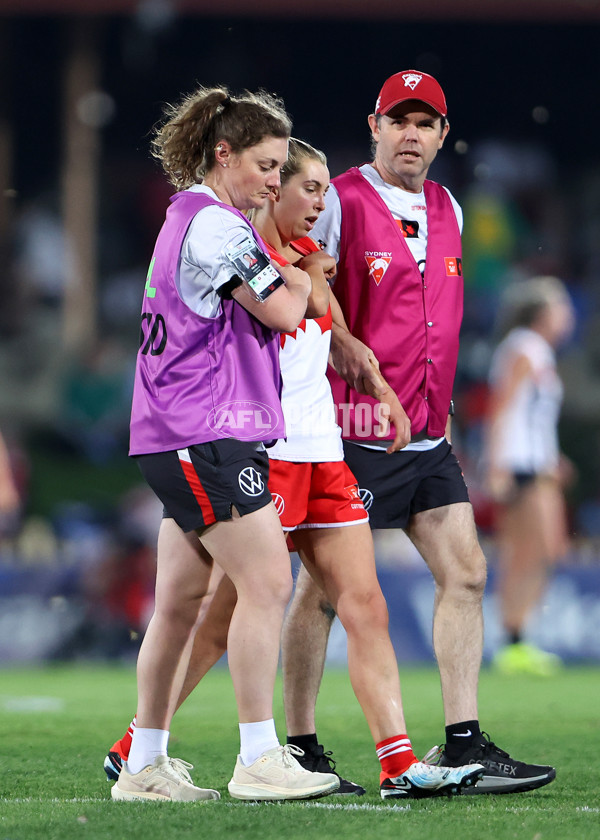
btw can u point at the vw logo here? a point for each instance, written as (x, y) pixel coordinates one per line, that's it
(366, 497)
(251, 481)
(279, 503)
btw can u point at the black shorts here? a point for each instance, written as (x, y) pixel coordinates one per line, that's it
(199, 485)
(395, 487)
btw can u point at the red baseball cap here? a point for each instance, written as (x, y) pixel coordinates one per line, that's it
(411, 84)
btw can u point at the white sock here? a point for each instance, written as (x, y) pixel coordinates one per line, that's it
(146, 745)
(256, 738)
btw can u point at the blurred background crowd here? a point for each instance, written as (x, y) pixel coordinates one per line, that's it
(81, 202)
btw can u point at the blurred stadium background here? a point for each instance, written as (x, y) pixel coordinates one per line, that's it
(81, 84)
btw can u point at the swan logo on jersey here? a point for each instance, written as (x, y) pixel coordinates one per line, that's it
(411, 80)
(251, 482)
(453, 266)
(378, 262)
(279, 503)
(366, 497)
(352, 491)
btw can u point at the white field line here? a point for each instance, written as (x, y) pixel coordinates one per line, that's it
(99, 800)
(328, 806)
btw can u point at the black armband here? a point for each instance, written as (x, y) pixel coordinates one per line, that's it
(227, 288)
(451, 409)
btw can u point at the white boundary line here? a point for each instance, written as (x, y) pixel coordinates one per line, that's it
(327, 806)
(236, 804)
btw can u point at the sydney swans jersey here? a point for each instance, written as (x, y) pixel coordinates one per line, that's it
(527, 441)
(406, 309)
(201, 378)
(312, 432)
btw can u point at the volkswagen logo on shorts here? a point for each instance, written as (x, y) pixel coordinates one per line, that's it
(279, 503)
(366, 497)
(244, 419)
(251, 481)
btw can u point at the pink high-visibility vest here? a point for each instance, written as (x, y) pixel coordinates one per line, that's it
(410, 322)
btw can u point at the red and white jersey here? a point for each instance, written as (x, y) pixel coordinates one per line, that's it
(312, 431)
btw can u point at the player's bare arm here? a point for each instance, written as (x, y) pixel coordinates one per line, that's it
(391, 411)
(321, 267)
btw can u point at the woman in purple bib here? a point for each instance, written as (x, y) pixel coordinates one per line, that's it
(206, 399)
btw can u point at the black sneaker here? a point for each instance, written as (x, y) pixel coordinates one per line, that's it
(503, 774)
(317, 760)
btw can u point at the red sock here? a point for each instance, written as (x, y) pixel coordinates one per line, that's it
(125, 742)
(395, 755)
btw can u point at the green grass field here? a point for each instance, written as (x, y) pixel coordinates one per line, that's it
(56, 724)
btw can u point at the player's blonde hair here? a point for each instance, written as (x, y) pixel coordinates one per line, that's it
(185, 141)
(299, 151)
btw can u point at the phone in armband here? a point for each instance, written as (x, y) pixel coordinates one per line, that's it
(253, 267)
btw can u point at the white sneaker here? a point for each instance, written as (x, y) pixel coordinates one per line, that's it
(277, 775)
(418, 781)
(167, 780)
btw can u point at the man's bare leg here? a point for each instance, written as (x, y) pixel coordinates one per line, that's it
(303, 650)
(446, 538)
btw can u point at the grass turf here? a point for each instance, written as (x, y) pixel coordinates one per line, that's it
(57, 722)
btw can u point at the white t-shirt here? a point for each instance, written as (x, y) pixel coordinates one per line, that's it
(203, 267)
(528, 438)
(411, 210)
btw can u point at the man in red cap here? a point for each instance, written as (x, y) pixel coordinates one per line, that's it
(396, 237)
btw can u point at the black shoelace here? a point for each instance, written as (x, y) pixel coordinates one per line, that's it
(321, 757)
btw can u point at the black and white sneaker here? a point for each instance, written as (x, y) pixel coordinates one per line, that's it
(503, 774)
(317, 760)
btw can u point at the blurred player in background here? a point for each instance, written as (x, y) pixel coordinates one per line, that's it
(525, 470)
